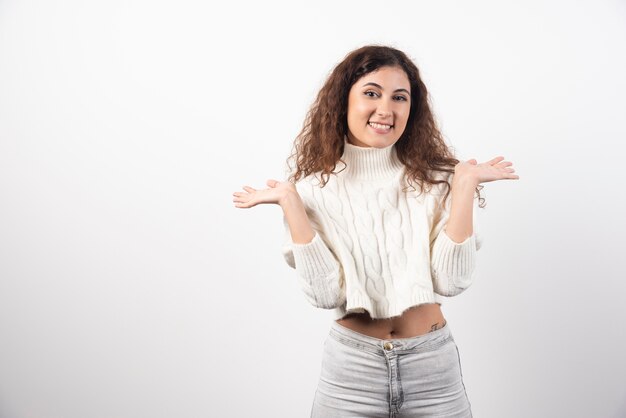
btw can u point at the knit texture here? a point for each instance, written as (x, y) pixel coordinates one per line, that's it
(377, 248)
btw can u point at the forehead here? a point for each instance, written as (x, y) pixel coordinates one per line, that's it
(386, 77)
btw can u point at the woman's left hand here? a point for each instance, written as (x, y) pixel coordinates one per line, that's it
(492, 170)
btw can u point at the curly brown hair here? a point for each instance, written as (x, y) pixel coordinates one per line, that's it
(421, 148)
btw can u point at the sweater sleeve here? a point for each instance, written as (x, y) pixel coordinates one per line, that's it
(453, 265)
(320, 274)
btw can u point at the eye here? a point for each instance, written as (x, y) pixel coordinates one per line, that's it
(401, 98)
(370, 93)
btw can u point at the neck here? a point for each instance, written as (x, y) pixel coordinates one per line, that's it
(369, 163)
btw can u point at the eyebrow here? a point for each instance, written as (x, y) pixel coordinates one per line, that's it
(377, 85)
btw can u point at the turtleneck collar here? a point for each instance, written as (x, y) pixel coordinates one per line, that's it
(369, 163)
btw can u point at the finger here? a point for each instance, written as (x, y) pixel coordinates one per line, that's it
(495, 160)
(249, 189)
(241, 201)
(510, 175)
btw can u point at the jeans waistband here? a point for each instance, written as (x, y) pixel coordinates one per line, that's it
(424, 342)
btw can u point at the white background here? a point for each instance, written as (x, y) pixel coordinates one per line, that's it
(131, 286)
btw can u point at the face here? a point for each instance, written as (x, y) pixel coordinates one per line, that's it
(378, 108)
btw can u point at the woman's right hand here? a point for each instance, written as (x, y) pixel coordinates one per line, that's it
(275, 194)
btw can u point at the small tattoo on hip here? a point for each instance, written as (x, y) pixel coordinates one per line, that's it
(436, 326)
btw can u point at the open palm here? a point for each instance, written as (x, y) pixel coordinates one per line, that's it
(492, 170)
(252, 197)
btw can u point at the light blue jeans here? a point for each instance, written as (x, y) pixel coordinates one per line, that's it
(366, 377)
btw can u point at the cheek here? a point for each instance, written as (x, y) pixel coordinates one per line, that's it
(358, 114)
(360, 109)
(404, 116)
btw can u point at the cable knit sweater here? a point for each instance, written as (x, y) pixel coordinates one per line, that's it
(377, 248)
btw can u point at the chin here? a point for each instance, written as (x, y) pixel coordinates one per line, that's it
(382, 142)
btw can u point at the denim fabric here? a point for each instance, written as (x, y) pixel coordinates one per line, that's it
(363, 376)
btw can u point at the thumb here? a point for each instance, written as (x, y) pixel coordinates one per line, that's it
(472, 161)
(272, 182)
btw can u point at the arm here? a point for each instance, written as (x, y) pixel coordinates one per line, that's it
(319, 272)
(455, 239)
(460, 223)
(453, 253)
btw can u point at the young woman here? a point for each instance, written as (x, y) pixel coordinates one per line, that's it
(377, 250)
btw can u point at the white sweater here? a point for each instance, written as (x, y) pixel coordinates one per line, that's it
(377, 248)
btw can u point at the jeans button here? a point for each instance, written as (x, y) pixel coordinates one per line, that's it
(388, 345)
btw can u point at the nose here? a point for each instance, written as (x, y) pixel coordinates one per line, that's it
(383, 110)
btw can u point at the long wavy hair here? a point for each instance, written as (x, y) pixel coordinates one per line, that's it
(421, 148)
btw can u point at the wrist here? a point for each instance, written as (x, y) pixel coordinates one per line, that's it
(464, 179)
(289, 199)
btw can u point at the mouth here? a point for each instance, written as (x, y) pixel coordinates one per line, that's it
(380, 127)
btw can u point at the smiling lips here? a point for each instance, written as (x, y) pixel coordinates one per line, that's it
(379, 127)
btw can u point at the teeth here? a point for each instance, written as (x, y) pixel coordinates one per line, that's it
(379, 126)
